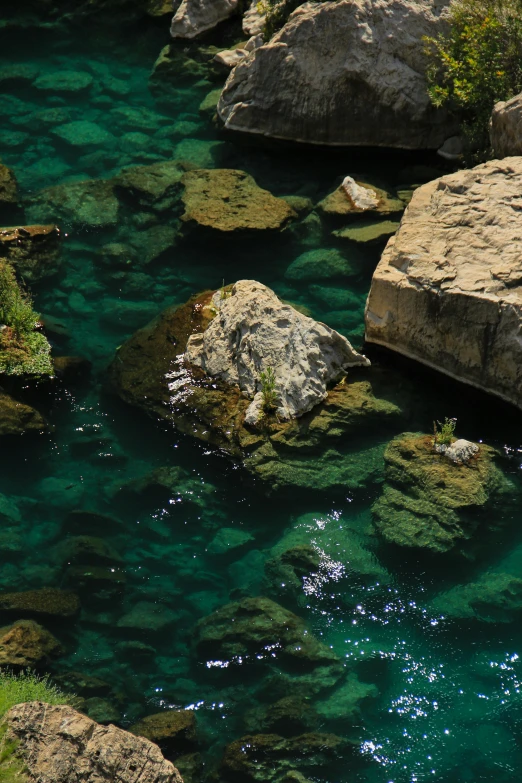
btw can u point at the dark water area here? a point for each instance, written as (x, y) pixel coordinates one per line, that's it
(443, 701)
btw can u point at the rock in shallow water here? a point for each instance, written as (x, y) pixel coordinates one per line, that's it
(348, 72)
(34, 251)
(448, 289)
(26, 645)
(432, 503)
(253, 331)
(59, 745)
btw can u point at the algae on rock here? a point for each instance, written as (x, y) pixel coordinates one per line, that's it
(432, 503)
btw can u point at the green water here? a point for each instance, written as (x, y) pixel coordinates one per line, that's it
(448, 705)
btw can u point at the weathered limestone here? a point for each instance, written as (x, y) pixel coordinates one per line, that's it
(194, 17)
(506, 127)
(355, 198)
(342, 73)
(253, 19)
(59, 745)
(448, 289)
(229, 200)
(430, 502)
(254, 330)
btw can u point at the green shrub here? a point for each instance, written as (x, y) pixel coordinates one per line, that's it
(23, 351)
(268, 390)
(444, 434)
(477, 63)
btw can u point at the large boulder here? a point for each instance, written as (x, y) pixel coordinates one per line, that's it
(253, 331)
(56, 744)
(194, 17)
(432, 503)
(447, 291)
(316, 449)
(506, 127)
(349, 72)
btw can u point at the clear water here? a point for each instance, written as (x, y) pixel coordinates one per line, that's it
(449, 706)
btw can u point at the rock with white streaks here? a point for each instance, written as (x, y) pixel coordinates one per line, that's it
(448, 289)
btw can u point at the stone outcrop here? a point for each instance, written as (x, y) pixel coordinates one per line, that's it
(252, 331)
(342, 73)
(432, 503)
(34, 251)
(26, 644)
(194, 17)
(448, 289)
(227, 200)
(506, 127)
(319, 449)
(59, 745)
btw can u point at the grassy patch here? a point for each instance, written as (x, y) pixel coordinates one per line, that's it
(23, 350)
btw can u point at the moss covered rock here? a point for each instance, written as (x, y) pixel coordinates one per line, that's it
(173, 730)
(319, 449)
(227, 200)
(429, 501)
(34, 251)
(46, 602)
(17, 418)
(25, 644)
(493, 598)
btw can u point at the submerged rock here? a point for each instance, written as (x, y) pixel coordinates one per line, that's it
(8, 186)
(321, 264)
(64, 82)
(46, 602)
(34, 251)
(254, 331)
(267, 758)
(229, 200)
(17, 418)
(315, 450)
(429, 501)
(83, 133)
(174, 731)
(447, 289)
(353, 198)
(91, 204)
(71, 747)
(194, 17)
(348, 72)
(26, 645)
(493, 598)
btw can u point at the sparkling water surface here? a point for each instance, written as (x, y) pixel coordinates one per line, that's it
(446, 704)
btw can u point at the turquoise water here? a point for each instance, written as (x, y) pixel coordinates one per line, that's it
(445, 703)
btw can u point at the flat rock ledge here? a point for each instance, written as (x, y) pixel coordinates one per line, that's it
(448, 289)
(254, 331)
(350, 72)
(56, 744)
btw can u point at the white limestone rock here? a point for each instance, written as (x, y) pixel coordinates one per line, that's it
(254, 330)
(349, 72)
(254, 19)
(361, 198)
(229, 58)
(193, 17)
(448, 288)
(459, 452)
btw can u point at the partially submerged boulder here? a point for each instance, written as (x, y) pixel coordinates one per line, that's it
(227, 200)
(430, 502)
(314, 450)
(448, 289)
(57, 744)
(194, 17)
(17, 418)
(34, 251)
(495, 597)
(254, 331)
(506, 127)
(349, 72)
(355, 198)
(8, 186)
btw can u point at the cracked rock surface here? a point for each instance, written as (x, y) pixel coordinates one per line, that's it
(448, 289)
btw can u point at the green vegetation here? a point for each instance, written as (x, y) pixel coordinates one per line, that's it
(444, 434)
(268, 389)
(477, 63)
(28, 686)
(277, 12)
(23, 350)
(17, 689)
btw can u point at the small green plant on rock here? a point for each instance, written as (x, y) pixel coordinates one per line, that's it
(444, 433)
(475, 64)
(12, 768)
(268, 389)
